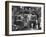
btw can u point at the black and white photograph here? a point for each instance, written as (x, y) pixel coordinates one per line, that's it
(26, 18)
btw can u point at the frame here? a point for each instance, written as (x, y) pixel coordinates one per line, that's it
(24, 10)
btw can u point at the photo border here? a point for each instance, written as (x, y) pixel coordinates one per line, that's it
(7, 17)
